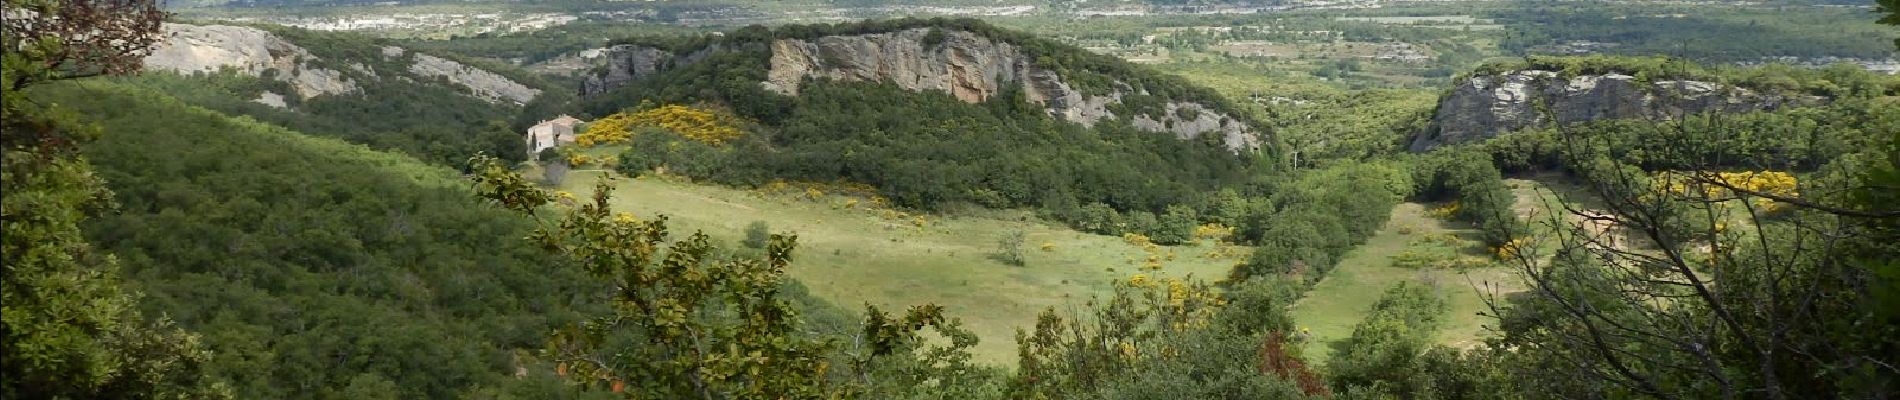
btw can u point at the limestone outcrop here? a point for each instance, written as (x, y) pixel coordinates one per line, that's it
(1481, 107)
(962, 64)
(189, 49)
(481, 83)
(627, 63)
(250, 51)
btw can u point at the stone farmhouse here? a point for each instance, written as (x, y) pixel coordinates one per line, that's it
(551, 133)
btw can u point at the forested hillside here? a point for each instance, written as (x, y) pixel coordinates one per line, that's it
(390, 104)
(316, 266)
(1545, 92)
(927, 149)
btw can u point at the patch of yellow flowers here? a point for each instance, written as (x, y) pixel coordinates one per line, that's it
(1776, 183)
(578, 159)
(1139, 280)
(701, 125)
(1214, 231)
(854, 195)
(1509, 250)
(1444, 211)
(1220, 235)
(1136, 239)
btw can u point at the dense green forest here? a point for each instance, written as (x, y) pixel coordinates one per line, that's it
(317, 266)
(836, 131)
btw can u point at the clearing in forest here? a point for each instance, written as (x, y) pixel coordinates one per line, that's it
(851, 256)
(1340, 300)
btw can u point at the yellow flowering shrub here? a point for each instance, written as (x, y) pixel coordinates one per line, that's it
(1136, 239)
(1214, 231)
(1776, 183)
(1510, 249)
(1771, 182)
(1139, 280)
(701, 125)
(1226, 251)
(614, 128)
(1444, 211)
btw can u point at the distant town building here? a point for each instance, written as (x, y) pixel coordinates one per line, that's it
(551, 133)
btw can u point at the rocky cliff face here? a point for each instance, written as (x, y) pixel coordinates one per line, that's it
(627, 63)
(249, 51)
(973, 68)
(965, 65)
(1481, 107)
(481, 83)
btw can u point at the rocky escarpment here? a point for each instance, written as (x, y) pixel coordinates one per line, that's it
(631, 62)
(972, 68)
(966, 65)
(1483, 106)
(249, 51)
(481, 83)
(189, 49)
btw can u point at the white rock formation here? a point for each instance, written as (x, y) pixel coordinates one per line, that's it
(486, 85)
(191, 49)
(973, 68)
(271, 99)
(1483, 106)
(965, 65)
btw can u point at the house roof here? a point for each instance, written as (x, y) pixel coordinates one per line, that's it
(564, 119)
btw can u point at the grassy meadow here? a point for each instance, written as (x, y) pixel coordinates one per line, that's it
(854, 255)
(1338, 301)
